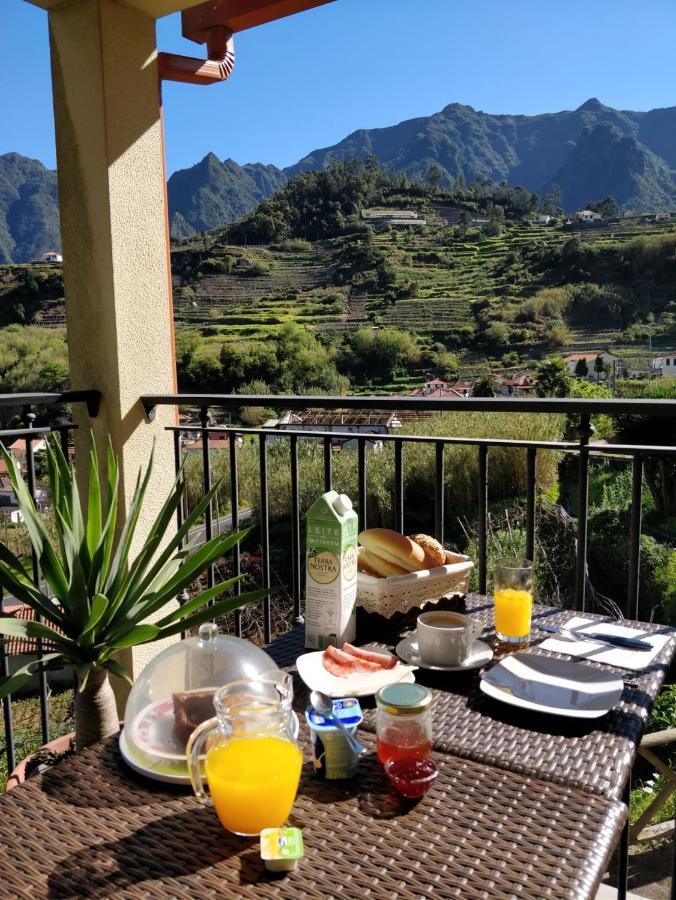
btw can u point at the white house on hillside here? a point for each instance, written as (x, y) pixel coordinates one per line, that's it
(51, 256)
(663, 365)
(588, 215)
(573, 359)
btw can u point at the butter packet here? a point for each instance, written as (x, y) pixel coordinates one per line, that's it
(281, 848)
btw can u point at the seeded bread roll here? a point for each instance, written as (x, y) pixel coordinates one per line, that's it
(434, 552)
(396, 548)
(376, 565)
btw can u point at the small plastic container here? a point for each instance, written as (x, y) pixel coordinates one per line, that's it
(333, 758)
(281, 848)
(412, 778)
(403, 722)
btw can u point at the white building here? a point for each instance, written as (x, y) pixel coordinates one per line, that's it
(588, 215)
(573, 359)
(664, 365)
(51, 256)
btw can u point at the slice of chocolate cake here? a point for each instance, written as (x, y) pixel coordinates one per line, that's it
(191, 708)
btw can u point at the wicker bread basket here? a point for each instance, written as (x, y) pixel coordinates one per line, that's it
(400, 593)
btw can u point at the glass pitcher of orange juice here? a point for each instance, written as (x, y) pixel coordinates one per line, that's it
(513, 595)
(253, 761)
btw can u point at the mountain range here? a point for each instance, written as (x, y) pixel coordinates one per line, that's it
(590, 153)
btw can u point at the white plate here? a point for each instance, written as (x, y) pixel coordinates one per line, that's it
(156, 768)
(480, 654)
(170, 767)
(554, 686)
(153, 731)
(360, 684)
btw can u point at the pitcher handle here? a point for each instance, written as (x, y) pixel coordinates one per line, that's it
(193, 752)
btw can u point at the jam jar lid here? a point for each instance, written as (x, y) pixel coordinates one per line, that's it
(403, 699)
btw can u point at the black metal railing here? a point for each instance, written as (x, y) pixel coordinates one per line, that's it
(28, 435)
(579, 410)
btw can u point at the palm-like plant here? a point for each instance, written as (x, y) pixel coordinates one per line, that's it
(100, 600)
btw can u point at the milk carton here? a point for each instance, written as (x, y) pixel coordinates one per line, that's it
(331, 570)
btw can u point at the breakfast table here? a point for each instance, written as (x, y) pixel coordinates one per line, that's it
(525, 805)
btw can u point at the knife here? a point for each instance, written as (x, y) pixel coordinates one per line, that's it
(612, 640)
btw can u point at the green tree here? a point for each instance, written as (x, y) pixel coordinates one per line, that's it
(552, 378)
(552, 202)
(485, 387)
(434, 177)
(598, 366)
(581, 368)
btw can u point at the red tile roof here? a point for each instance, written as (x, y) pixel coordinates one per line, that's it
(16, 646)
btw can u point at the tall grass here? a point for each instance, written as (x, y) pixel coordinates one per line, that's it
(506, 469)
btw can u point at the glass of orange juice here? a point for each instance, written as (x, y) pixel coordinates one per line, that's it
(253, 762)
(513, 595)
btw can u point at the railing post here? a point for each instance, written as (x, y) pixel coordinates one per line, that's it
(265, 537)
(399, 486)
(483, 516)
(295, 530)
(7, 703)
(29, 417)
(585, 431)
(361, 479)
(530, 503)
(439, 491)
(234, 514)
(206, 467)
(635, 537)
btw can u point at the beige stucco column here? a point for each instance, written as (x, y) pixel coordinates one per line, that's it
(110, 164)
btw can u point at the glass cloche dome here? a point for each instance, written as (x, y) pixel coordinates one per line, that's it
(174, 694)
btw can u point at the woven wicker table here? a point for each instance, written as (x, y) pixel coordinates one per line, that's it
(594, 756)
(91, 828)
(521, 808)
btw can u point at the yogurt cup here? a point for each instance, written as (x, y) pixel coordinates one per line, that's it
(332, 756)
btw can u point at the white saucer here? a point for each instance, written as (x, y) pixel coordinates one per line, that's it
(480, 654)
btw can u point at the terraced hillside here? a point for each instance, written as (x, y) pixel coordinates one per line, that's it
(446, 287)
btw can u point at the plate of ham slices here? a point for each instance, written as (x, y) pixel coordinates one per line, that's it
(350, 671)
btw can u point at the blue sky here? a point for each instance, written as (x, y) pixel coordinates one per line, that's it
(309, 80)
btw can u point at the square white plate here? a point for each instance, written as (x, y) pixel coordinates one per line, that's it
(360, 684)
(554, 686)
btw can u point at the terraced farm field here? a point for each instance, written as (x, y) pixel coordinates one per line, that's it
(442, 285)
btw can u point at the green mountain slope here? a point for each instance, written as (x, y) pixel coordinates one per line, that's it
(607, 162)
(29, 211)
(212, 193)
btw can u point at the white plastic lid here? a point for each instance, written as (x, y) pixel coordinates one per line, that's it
(342, 504)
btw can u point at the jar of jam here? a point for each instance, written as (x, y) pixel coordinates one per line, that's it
(403, 722)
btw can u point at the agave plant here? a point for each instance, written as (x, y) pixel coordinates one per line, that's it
(99, 600)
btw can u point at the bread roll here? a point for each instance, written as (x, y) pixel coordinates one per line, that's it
(435, 554)
(374, 565)
(396, 548)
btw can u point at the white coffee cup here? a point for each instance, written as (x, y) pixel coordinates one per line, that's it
(446, 638)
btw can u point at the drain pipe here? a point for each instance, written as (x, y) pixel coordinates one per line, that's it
(191, 70)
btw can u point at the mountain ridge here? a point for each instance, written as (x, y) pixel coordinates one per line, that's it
(589, 152)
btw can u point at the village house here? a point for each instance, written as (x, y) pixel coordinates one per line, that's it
(519, 385)
(434, 388)
(663, 365)
(573, 359)
(51, 256)
(588, 216)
